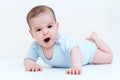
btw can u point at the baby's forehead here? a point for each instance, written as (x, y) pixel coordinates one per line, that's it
(42, 19)
(47, 14)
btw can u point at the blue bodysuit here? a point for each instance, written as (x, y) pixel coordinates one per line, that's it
(61, 53)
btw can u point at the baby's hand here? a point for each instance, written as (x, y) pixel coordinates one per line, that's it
(74, 71)
(33, 67)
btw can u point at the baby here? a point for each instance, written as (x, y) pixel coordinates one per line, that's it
(60, 50)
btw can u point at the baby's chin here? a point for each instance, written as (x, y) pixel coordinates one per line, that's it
(48, 44)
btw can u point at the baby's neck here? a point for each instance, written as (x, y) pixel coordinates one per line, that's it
(48, 52)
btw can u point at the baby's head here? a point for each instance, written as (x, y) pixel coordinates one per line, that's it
(43, 25)
(42, 9)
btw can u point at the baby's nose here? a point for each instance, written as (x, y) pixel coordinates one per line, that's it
(45, 32)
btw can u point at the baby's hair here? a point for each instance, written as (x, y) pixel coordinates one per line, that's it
(38, 10)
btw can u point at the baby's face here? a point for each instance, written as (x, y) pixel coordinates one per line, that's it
(44, 30)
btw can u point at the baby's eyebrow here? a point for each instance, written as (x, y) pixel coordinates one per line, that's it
(36, 28)
(50, 23)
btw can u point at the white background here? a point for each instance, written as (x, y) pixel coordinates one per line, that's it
(78, 18)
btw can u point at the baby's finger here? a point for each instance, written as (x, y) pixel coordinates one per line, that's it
(73, 71)
(77, 72)
(39, 69)
(68, 71)
(33, 69)
(28, 69)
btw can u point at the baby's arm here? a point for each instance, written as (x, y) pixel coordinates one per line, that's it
(32, 66)
(76, 62)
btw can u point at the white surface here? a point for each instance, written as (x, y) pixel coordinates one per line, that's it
(12, 69)
(76, 17)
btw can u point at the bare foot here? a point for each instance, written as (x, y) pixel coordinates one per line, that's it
(92, 37)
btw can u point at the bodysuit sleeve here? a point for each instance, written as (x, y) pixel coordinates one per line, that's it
(32, 52)
(68, 43)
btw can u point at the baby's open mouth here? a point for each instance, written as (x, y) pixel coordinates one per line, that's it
(47, 39)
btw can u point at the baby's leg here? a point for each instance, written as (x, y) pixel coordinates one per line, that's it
(103, 54)
(102, 57)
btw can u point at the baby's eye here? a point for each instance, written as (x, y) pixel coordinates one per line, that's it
(38, 30)
(50, 26)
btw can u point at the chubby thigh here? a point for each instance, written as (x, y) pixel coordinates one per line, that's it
(88, 50)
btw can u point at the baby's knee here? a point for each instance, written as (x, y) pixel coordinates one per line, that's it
(110, 58)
